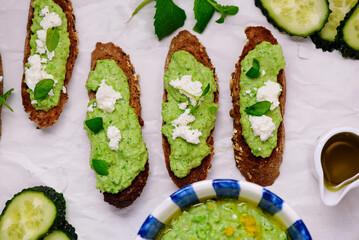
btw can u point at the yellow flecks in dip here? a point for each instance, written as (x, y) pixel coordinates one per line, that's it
(229, 231)
(249, 225)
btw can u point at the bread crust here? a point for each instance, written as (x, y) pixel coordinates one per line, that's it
(1, 89)
(40, 117)
(190, 43)
(111, 51)
(262, 171)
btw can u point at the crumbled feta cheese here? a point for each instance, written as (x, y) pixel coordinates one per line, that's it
(44, 11)
(248, 92)
(33, 102)
(43, 60)
(51, 93)
(263, 72)
(259, 149)
(188, 86)
(269, 92)
(92, 107)
(114, 134)
(106, 97)
(64, 89)
(184, 131)
(36, 72)
(50, 55)
(50, 20)
(183, 105)
(262, 126)
(1, 78)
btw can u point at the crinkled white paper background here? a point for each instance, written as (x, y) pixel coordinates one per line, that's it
(322, 93)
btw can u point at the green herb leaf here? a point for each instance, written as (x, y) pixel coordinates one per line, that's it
(52, 38)
(259, 108)
(205, 91)
(224, 10)
(42, 88)
(168, 18)
(142, 4)
(100, 167)
(3, 99)
(203, 12)
(95, 124)
(254, 70)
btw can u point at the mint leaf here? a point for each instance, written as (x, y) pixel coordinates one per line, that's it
(42, 88)
(95, 124)
(142, 4)
(224, 10)
(254, 70)
(52, 38)
(3, 99)
(168, 18)
(203, 12)
(259, 108)
(205, 91)
(100, 167)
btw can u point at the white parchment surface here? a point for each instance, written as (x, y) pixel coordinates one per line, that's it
(322, 93)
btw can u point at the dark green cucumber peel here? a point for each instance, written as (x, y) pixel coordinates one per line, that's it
(324, 44)
(346, 50)
(265, 12)
(65, 228)
(55, 197)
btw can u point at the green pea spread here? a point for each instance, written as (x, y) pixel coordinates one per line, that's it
(56, 66)
(186, 156)
(130, 159)
(271, 61)
(223, 219)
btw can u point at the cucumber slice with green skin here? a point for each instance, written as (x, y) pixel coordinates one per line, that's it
(64, 232)
(30, 214)
(326, 38)
(296, 17)
(348, 34)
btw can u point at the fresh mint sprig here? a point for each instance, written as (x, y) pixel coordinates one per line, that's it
(259, 108)
(42, 88)
(52, 38)
(169, 17)
(3, 99)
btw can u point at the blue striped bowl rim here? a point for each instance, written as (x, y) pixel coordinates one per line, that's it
(231, 188)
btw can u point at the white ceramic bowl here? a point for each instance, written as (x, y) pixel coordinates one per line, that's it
(331, 198)
(193, 193)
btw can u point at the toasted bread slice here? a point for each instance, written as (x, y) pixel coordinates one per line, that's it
(1, 88)
(190, 43)
(111, 51)
(48, 118)
(262, 171)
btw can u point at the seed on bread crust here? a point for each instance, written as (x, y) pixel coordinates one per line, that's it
(111, 51)
(190, 43)
(48, 118)
(262, 171)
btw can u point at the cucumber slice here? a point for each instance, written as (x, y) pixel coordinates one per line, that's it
(64, 232)
(349, 34)
(296, 17)
(31, 213)
(325, 39)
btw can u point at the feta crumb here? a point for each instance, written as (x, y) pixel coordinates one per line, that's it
(106, 97)
(36, 72)
(50, 20)
(1, 78)
(92, 107)
(64, 89)
(184, 131)
(50, 55)
(262, 126)
(33, 102)
(263, 73)
(44, 11)
(183, 105)
(269, 92)
(43, 60)
(51, 93)
(188, 86)
(114, 134)
(259, 149)
(247, 92)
